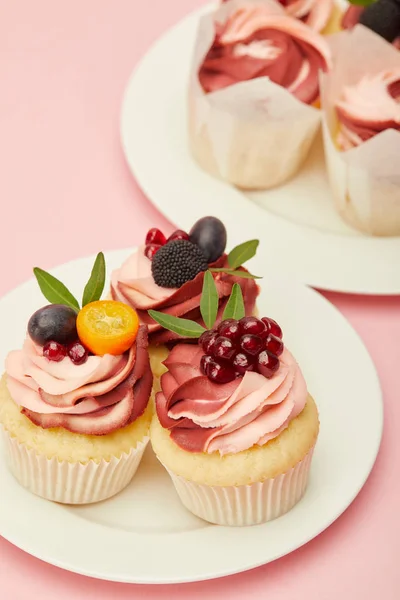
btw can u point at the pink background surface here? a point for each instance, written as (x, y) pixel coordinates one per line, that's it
(65, 191)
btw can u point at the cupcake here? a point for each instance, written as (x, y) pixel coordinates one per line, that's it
(235, 426)
(361, 125)
(74, 401)
(168, 275)
(253, 93)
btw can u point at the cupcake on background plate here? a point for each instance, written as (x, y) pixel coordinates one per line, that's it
(361, 126)
(74, 401)
(253, 93)
(235, 426)
(167, 275)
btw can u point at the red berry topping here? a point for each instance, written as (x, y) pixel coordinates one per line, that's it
(204, 362)
(251, 344)
(178, 235)
(230, 328)
(273, 327)
(220, 373)
(151, 250)
(267, 364)
(78, 353)
(223, 348)
(54, 351)
(274, 345)
(252, 325)
(242, 363)
(155, 236)
(207, 340)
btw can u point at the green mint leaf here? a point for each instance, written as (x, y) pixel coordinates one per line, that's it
(95, 286)
(53, 290)
(242, 274)
(235, 306)
(209, 300)
(362, 2)
(183, 327)
(242, 253)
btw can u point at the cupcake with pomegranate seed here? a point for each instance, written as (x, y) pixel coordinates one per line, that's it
(235, 426)
(254, 88)
(74, 402)
(167, 275)
(361, 126)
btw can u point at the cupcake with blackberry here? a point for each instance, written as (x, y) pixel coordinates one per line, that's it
(167, 275)
(254, 92)
(235, 426)
(74, 402)
(361, 125)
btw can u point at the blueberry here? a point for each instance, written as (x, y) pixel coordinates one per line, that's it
(54, 322)
(209, 234)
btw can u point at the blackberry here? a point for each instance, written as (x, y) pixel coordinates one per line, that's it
(176, 263)
(383, 18)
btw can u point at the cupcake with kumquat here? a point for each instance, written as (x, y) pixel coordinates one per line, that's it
(167, 275)
(74, 402)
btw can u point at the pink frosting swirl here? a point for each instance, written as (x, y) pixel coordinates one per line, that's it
(206, 417)
(102, 395)
(314, 13)
(255, 42)
(368, 108)
(133, 284)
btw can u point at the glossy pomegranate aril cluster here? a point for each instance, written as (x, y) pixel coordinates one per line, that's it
(155, 239)
(56, 352)
(236, 347)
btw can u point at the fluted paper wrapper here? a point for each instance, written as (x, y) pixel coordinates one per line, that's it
(247, 504)
(365, 181)
(254, 134)
(71, 483)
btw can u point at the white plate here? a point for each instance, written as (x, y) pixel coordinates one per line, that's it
(299, 229)
(144, 535)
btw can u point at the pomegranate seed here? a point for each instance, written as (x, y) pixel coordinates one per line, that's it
(151, 250)
(272, 327)
(252, 325)
(251, 344)
(267, 364)
(204, 362)
(155, 236)
(274, 345)
(219, 373)
(207, 340)
(223, 348)
(242, 363)
(77, 353)
(54, 351)
(178, 235)
(230, 329)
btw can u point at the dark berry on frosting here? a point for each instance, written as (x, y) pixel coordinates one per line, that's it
(54, 322)
(209, 234)
(176, 263)
(383, 18)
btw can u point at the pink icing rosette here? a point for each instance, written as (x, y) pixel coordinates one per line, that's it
(203, 416)
(254, 78)
(133, 284)
(361, 125)
(104, 394)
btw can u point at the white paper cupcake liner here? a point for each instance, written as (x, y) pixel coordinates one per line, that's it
(247, 504)
(71, 483)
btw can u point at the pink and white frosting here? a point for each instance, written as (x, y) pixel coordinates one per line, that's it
(133, 284)
(203, 416)
(368, 108)
(255, 42)
(314, 13)
(95, 398)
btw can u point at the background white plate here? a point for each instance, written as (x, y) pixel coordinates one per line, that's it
(298, 227)
(144, 535)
